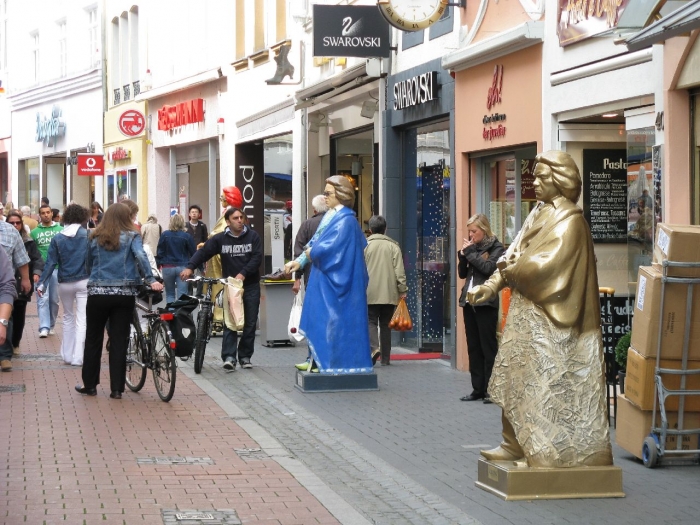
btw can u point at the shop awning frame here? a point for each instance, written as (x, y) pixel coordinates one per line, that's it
(680, 22)
(180, 85)
(351, 78)
(507, 42)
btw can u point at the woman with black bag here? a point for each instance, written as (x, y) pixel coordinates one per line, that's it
(36, 266)
(477, 261)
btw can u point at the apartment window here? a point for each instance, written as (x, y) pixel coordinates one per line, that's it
(93, 38)
(34, 49)
(281, 20)
(240, 29)
(134, 43)
(62, 49)
(259, 42)
(3, 35)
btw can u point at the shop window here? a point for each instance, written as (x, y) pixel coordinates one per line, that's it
(122, 185)
(29, 184)
(3, 177)
(411, 39)
(354, 158)
(442, 26)
(277, 162)
(695, 157)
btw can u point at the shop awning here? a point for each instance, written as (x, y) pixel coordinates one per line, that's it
(679, 22)
(504, 43)
(180, 85)
(351, 78)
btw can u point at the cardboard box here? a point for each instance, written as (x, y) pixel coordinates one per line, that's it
(645, 324)
(678, 243)
(639, 382)
(633, 425)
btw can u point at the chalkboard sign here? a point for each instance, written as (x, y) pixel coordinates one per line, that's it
(616, 320)
(605, 193)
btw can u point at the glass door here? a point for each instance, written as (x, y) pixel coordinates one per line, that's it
(122, 184)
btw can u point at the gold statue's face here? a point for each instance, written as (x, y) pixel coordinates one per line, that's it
(545, 190)
(223, 200)
(331, 198)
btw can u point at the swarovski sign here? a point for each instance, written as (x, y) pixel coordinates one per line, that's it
(48, 129)
(350, 31)
(415, 90)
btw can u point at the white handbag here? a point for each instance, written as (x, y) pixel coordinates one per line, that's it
(295, 316)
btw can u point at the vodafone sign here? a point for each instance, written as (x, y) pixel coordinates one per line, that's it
(91, 165)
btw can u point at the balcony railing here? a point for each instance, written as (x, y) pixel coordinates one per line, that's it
(137, 88)
(117, 96)
(127, 92)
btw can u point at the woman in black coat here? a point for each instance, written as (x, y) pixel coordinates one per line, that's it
(36, 266)
(477, 261)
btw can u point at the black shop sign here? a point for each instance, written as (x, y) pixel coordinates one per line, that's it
(605, 194)
(350, 31)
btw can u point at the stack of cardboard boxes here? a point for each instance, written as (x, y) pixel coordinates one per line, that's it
(634, 412)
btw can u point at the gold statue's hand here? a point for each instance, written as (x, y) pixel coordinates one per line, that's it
(479, 295)
(291, 266)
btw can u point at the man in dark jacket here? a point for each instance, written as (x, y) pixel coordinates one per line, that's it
(195, 227)
(241, 252)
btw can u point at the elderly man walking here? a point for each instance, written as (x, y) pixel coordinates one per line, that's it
(387, 283)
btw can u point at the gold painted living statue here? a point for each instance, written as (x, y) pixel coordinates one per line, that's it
(548, 375)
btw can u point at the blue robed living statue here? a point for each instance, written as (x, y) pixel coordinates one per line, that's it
(334, 315)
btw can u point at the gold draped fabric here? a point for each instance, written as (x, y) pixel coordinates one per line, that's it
(548, 376)
(214, 269)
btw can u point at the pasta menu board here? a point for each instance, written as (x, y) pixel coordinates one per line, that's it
(605, 193)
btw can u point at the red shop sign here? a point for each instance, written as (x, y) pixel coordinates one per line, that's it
(90, 165)
(132, 123)
(181, 114)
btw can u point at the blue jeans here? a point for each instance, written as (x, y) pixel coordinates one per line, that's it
(246, 346)
(173, 283)
(47, 305)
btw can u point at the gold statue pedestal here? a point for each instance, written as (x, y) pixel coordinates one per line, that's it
(509, 481)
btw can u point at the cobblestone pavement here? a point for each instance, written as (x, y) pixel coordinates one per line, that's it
(408, 453)
(86, 460)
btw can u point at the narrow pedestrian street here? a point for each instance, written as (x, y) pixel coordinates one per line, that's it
(248, 447)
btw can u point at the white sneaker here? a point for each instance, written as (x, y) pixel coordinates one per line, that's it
(52, 332)
(43, 333)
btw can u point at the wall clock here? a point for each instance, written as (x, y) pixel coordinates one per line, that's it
(412, 15)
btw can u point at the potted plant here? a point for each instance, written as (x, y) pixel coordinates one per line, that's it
(621, 358)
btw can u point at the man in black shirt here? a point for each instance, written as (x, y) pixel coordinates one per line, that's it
(241, 253)
(195, 227)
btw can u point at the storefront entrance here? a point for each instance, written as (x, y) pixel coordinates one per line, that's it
(121, 185)
(426, 237)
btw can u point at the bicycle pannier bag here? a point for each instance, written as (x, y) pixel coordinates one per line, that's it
(182, 326)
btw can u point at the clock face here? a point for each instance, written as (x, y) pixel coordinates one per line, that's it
(412, 15)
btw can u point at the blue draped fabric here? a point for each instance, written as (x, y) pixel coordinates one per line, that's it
(334, 316)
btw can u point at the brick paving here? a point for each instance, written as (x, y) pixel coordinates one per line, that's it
(74, 459)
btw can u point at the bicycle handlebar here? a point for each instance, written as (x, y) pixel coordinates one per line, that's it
(211, 280)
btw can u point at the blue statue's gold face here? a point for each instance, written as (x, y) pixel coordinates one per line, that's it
(331, 198)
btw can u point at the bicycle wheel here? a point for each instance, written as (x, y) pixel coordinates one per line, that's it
(200, 342)
(163, 359)
(135, 367)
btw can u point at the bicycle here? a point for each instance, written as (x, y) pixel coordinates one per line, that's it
(152, 350)
(205, 317)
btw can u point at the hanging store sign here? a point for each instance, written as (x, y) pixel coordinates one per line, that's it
(495, 129)
(91, 165)
(118, 154)
(132, 123)
(582, 19)
(350, 31)
(190, 112)
(416, 90)
(48, 129)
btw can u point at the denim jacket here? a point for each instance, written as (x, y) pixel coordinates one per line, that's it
(123, 267)
(175, 248)
(68, 254)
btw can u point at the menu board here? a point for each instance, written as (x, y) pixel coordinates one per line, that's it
(605, 193)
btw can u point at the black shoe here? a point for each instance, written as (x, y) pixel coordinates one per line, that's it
(245, 363)
(116, 395)
(86, 391)
(487, 400)
(375, 356)
(472, 397)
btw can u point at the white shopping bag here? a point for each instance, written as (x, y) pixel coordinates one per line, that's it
(295, 316)
(233, 304)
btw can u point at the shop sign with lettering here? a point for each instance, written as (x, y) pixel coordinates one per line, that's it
(91, 165)
(350, 31)
(495, 129)
(48, 129)
(581, 19)
(415, 90)
(190, 112)
(118, 154)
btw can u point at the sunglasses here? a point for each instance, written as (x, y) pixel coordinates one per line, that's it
(14, 222)
(328, 193)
